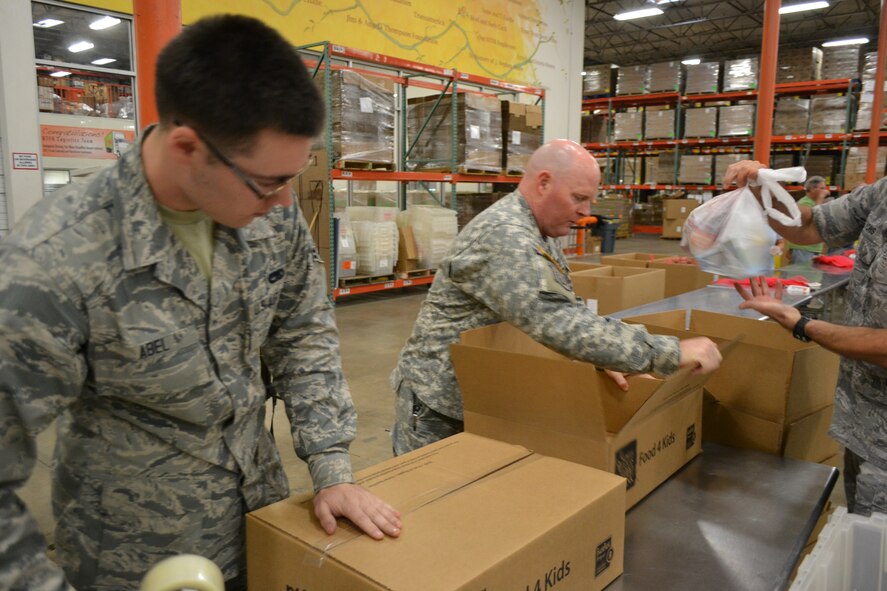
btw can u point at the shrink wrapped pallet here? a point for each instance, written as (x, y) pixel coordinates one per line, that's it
(841, 62)
(632, 80)
(792, 116)
(741, 74)
(736, 120)
(598, 80)
(659, 124)
(702, 78)
(828, 114)
(664, 77)
(798, 64)
(628, 126)
(700, 122)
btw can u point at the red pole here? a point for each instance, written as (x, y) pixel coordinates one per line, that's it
(878, 103)
(156, 22)
(767, 81)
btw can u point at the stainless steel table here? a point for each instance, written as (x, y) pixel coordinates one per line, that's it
(729, 520)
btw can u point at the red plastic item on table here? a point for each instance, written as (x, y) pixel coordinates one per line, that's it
(835, 260)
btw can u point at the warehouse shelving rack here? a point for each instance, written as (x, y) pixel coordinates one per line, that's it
(804, 142)
(327, 56)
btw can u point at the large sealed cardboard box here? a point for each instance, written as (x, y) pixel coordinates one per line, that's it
(477, 514)
(681, 277)
(517, 390)
(610, 289)
(521, 134)
(630, 259)
(770, 382)
(678, 208)
(673, 228)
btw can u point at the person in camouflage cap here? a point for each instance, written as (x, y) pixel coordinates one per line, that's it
(506, 266)
(859, 421)
(136, 309)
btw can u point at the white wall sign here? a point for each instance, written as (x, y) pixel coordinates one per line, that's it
(24, 161)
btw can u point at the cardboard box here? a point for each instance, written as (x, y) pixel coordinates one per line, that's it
(769, 374)
(628, 126)
(313, 192)
(701, 122)
(407, 253)
(517, 390)
(659, 124)
(696, 168)
(678, 208)
(805, 439)
(521, 134)
(583, 265)
(681, 277)
(477, 514)
(610, 289)
(673, 228)
(630, 259)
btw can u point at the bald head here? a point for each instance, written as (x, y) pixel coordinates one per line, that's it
(560, 183)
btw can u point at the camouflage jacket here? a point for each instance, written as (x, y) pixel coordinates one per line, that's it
(860, 416)
(154, 373)
(501, 268)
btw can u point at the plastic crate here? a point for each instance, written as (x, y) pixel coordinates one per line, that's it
(851, 554)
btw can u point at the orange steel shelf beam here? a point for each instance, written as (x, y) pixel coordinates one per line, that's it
(878, 98)
(434, 177)
(372, 287)
(767, 81)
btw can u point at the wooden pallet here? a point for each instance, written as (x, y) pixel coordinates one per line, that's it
(416, 273)
(364, 165)
(478, 171)
(366, 279)
(512, 172)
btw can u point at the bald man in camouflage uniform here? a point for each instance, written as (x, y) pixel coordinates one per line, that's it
(859, 421)
(506, 266)
(134, 309)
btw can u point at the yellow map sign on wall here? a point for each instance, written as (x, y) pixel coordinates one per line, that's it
(494, 38)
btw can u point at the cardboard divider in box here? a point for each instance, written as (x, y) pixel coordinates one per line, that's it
(768, 386)
(477, 514)
(517, 390)
(681, 277)
(611, 289)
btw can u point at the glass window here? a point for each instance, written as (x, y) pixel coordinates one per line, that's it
(84, 61)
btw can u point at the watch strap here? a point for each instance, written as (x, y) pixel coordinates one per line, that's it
(799, 331)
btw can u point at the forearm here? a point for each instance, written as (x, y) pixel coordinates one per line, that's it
(854, 342)
(806, 233)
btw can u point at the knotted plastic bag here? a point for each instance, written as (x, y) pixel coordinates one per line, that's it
(730, 236)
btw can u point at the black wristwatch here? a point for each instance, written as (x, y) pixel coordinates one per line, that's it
(798, 331)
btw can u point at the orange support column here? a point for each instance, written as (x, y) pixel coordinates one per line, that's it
(767, 81)
(156, 22)
(877, 103)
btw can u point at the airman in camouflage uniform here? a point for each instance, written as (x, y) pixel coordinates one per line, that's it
(860, 415)
(506, 266)
(153, 372)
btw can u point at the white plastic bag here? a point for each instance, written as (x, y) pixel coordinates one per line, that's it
(729, 235)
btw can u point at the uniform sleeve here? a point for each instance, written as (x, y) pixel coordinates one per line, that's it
(302, 353)
(503, 270)
(841, 220)
(42, 369)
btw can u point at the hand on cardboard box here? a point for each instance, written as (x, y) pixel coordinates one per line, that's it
(700, 353)
(367, 511)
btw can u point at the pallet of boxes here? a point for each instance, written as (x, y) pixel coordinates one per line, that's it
(674, 216)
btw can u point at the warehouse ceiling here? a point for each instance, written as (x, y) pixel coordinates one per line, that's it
(715, 28)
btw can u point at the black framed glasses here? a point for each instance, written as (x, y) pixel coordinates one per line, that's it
(247, 179)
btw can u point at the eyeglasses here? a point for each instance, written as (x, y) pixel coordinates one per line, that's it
(248, 180)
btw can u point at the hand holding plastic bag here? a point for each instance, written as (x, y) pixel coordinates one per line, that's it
(729, 235)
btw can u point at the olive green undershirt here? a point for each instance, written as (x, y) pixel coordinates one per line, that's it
(195, 230)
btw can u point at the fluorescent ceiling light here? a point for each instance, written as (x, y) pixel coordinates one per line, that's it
(632, 14)
(857, 41)
(48, 22)
(104, 23)
(104, 60)
(802, 7)
(60, 74)
(80, 46)
(692, 62)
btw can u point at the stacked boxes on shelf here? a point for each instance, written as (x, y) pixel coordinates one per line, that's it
(674, 214)
(781, 160)
(478, 133)
(856, 166)
(628, 126)
(594, 128)
(665, 169)
(701, 122)
(647, 214)
(468, 205)
(598, 80)
(521, 133)
(615, 207)
(792, 116)
(702, 78)
(632, 171)
(840, 62)
(828, 114)
(741, 74)
(736, 120)
(867, 94)
(632, 80)
(696, 169)
(664, 77)
(798, 64)
(722, 161)
(820, 165)
(659, 123)
(362, 118)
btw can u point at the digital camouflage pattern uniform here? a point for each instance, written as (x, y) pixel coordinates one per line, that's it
(860, 415)
(154, 374)
(501, 268)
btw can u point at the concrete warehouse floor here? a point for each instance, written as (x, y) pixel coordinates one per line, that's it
(373, 329)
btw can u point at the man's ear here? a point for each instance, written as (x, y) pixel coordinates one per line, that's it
(543, 182)
(183, 145)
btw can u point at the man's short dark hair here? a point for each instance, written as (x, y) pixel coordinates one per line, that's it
(813, 182)
(231, 77)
